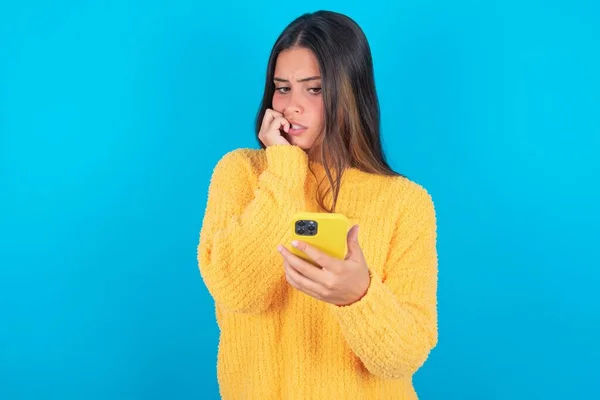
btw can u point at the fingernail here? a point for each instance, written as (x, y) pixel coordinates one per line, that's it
(295, 243)
(279, 248)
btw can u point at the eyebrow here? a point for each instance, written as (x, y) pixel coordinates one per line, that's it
(310, 78)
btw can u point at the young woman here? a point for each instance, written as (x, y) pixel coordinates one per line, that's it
(356, 328)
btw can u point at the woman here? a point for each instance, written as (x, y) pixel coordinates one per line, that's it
(356, 328)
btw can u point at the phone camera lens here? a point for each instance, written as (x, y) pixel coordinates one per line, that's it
(301, 231)
(301, 223)
(311, 228)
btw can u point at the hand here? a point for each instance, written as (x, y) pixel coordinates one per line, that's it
(270, 130)
(339, 282)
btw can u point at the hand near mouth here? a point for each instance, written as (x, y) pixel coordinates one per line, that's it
(272, 126)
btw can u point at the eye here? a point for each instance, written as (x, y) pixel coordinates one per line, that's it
(283, 89)
(315, 90)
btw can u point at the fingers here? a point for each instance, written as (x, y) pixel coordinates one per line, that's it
(354, 250)
(277, 124)
(303, 267)
(302, 283)
(272, 124)
(268, 118)
(320, 258)
(273, 121)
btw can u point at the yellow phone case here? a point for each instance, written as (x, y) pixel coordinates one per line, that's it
(329, 233)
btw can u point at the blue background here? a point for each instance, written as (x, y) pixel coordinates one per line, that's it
(113, 114)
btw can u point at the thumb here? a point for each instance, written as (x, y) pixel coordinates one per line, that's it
(354, 249)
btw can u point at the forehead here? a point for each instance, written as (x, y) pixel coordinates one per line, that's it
(296, 63)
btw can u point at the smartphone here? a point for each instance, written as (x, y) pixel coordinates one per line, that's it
(324, 231)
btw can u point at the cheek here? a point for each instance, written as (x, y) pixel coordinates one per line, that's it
(317, 112)
(277, 102)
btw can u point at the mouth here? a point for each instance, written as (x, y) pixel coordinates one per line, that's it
(296, 129)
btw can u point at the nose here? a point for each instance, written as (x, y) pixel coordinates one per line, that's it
(293, 106)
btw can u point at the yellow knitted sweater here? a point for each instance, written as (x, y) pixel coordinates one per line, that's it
(279, 343)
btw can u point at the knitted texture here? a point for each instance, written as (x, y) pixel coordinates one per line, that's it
(279, 343)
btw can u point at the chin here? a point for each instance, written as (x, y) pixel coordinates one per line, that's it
(300, 142)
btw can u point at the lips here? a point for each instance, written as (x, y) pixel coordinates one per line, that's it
(296, 129)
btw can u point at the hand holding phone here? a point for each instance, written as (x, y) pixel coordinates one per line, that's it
(341, 274)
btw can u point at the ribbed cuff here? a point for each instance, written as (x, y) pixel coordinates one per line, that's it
(376, 296)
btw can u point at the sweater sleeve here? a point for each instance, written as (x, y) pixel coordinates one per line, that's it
(393, 327)
(237, 252)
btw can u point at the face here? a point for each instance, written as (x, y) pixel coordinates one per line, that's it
(298, 95)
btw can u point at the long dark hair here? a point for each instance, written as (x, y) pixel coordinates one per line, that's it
(351, 137)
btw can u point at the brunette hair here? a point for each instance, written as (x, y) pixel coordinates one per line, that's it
(351, 137)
